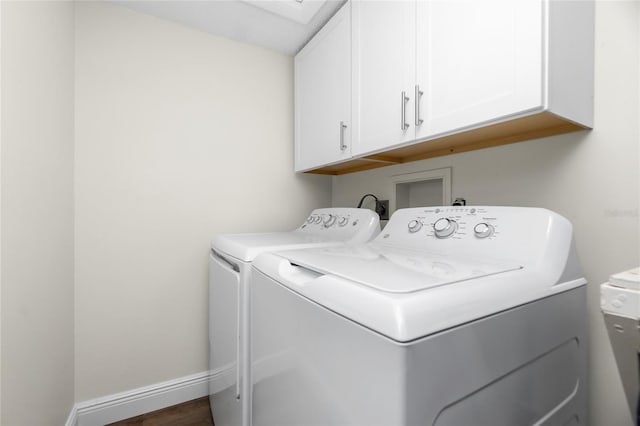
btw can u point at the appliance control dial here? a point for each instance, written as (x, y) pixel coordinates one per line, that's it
(444, 227)
(317, 219)
(343, 221)
(329, 220)
(310, 219)
(483, 230)
(414, 226)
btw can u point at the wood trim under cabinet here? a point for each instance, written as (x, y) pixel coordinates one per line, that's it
(534, 126)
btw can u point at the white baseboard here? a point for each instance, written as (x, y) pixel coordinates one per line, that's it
(120, 406)
(72, 420)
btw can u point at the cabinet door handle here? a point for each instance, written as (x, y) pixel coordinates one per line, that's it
(419, 94)
(403, 111)
(343, 127)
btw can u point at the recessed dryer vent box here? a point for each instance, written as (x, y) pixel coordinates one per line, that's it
(428, 188)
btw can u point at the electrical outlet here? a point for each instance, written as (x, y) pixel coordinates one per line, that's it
(382, 208)
(460, 202)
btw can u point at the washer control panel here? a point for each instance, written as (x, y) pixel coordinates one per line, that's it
(448, 223)
(453, 222)
(516, 233)
(524, 236)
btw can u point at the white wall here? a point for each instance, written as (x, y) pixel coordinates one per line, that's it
(37, 212)
(179, 135)
(590, 177)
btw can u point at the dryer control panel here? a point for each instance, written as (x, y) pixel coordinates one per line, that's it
(341, 223)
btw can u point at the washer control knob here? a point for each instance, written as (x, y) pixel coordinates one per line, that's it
(329, 220)
(444, 227)
(317, 219)
(310, 219)
(343, 221)
(483, 230)
(414, 226)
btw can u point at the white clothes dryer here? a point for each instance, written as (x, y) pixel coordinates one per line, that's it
(229, 287)
(452, 316)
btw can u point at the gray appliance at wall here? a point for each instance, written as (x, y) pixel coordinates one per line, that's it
(452, 316)
(229, 288)
(620, 304)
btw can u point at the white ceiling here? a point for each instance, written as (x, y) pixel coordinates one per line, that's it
(274, 24)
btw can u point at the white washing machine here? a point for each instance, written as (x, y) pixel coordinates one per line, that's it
(451, 316)
(229, 284)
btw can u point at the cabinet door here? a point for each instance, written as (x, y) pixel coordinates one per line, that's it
(383, 68)
(323, 95)
(477, 61)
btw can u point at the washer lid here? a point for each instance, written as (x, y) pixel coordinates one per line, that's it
(404, 294)
(394, 270)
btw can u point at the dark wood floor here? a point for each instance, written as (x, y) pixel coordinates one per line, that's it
(191, 413)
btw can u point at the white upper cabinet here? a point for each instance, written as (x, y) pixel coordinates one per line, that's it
(477, 61)
(424, 68)
(383, 73)
(435, 77)
(323, 95)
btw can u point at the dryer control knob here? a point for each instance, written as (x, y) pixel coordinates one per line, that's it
(483, 230)
(444, 227)
(343, 221)
(317, 219)
(310, 219)
(414, 226)
(329, 220)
